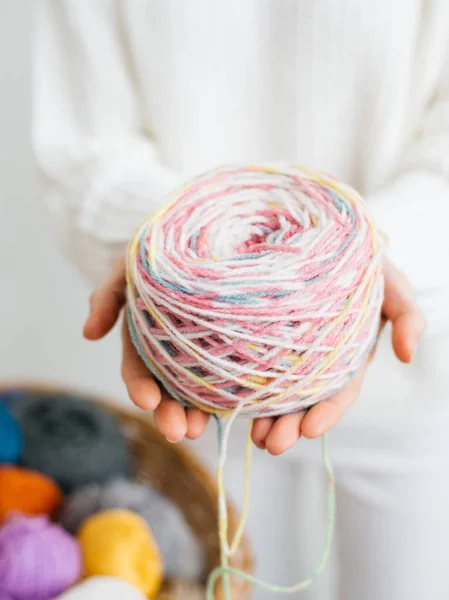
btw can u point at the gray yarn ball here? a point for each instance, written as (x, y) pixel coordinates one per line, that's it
(182, 554)
(74, 441)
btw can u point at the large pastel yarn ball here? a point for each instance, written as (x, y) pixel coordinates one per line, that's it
(256, 289)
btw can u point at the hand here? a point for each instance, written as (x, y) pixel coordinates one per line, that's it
(276, 435)
(173, 420)
(399, 307)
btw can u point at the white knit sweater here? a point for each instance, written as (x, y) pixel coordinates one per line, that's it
(133, 96)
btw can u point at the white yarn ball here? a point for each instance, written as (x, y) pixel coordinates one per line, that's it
(102, 588)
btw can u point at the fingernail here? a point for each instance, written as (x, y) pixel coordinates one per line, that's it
(172, 441)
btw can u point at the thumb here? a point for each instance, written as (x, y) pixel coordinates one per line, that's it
(106, 303)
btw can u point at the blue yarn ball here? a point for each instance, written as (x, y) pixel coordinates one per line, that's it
(11, 441)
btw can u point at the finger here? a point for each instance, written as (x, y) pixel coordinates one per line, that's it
(171, 420)
(106, 303)
(142, 388)
(401, 309)
(407, 332)
(197, 421)
(320, 418)
(284, 433)
(382, 323)
(260, 430)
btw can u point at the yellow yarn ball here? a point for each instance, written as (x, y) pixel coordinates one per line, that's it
(119, 543)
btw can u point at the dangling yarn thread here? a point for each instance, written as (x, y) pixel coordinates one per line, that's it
(256, 291)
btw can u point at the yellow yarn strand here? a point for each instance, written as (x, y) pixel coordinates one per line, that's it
(244, 516)
(224, 571)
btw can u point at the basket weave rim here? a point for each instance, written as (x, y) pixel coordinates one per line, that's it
(185, 454)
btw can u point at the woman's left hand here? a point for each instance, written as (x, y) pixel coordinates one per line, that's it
(279, 434)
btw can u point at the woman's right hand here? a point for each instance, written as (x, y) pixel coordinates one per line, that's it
(173, 420)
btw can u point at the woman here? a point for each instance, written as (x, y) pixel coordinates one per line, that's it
(133, 97)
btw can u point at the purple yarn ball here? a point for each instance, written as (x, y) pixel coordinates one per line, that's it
(38, 559)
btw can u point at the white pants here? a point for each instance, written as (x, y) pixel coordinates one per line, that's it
(392, 477)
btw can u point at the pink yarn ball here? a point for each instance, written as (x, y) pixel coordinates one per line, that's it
(38, 559)
(256, 289)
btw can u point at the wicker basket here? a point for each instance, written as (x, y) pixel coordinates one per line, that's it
(176, 473)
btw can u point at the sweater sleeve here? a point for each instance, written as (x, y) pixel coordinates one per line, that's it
(101, 174)
(413, 209)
